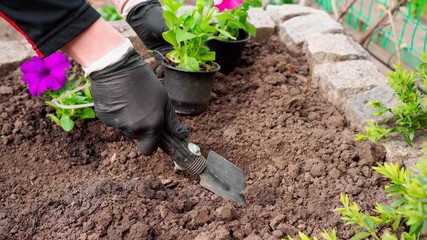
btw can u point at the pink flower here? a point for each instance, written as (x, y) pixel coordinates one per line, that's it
(227, 4)
(49, 73)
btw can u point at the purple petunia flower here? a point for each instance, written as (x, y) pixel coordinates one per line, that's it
(227, 4)
(43, 74)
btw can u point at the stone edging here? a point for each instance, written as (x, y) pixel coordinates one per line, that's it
(342, 70)
(338, 64)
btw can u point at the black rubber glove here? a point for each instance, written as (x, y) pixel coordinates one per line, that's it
(147, 20)
(128, 96)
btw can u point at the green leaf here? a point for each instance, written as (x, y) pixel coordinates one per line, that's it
(411, 134)
(182, 36)
(75, 84)
(205, 55)
(360, 137)
(88, 95)
(250, 28)
(388, 236)
(109, 13)
(172, 6)
(396, 223)
(414, 229)
(170, 19)
(331, 235)
(424, 227)
(200, 4)
(360, 235)
(54, 118)
(303, 236)
(226, 34)
(87, 113)
(190, 64)
(170, 37)
(254, 3)
(368, 223)
(398, 202)
(407, 139)
(66, 123)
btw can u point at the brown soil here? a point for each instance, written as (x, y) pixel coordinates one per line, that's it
(267, 117)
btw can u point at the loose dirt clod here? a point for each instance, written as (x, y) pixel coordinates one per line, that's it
(295, 148)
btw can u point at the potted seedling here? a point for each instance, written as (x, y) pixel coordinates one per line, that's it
(189, 68)
(233, 31)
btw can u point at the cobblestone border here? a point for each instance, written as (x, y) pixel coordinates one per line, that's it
(338, 64)
(342, 70)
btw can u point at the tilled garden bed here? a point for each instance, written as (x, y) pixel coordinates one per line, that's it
(267, 117)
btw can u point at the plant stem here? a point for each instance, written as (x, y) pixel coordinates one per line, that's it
(56, 100)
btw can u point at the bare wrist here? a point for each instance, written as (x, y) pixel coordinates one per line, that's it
(94, 43)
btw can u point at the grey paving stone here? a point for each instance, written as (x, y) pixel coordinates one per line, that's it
(340, 81)
(358, 112)
(281, 13)
(263, 23)
(323, 48)
(398, 151)
(295, 31)
(13, 53)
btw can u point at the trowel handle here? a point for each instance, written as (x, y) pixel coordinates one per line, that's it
(184, 153)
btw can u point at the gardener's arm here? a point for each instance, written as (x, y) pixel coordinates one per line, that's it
(127, 95)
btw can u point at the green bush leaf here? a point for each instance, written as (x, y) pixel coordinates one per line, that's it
(409, 112)
(360, 235)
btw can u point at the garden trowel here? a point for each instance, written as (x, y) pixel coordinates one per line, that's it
(216, 173)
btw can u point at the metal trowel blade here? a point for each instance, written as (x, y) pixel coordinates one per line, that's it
(223, 178)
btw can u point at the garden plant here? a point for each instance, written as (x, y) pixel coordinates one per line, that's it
(48, 78)
(405, 218)
(189, 30)
(187, 34)
(232, 17)
(410, 113)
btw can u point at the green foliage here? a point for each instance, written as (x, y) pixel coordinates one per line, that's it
(229, 22)
(410, 113)
(405, 218)
(187, 34)
(66, 117)
(109, 13)
(113, 176)
(331, 235)
(281, 2)
(417, 8)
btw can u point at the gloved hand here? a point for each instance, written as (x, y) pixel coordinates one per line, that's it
(147, 20)
(128, 96)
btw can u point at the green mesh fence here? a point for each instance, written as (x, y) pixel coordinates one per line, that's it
(410, 26)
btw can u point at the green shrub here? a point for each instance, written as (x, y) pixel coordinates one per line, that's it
(410, 113)
(405, 218)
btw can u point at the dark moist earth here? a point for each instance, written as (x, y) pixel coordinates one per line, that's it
(266, 116)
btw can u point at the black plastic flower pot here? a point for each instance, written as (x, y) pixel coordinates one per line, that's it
(189, 91)
(229, 52)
